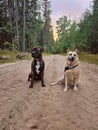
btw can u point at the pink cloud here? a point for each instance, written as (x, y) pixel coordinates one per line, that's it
(74, 8)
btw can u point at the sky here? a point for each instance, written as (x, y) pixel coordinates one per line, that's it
(70, 8)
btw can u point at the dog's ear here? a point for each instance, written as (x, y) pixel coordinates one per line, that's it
(41, 49)
(33, 49)
(68, 50)
(76, 50)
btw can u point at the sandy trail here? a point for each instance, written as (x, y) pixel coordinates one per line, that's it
(49, 108)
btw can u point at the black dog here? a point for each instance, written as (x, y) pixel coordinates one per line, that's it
(37, 67)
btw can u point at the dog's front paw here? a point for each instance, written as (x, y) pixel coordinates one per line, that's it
(28, 79)
(75, 88)
(43, 85)
(31, 86)
(65, 89)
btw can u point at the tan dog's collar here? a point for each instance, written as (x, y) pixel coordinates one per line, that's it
(69, 67)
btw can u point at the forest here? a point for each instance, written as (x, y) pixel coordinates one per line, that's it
(27, 23)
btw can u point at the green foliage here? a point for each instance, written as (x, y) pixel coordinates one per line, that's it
(90, 58)
(93, 33)
(89, 30)
(63, 25)
(15, 43)
(84, 29)
(11, 46)
(7, 53)
(38, 29)
(7, 45)
(68, 35)
(82, 35)
(12, 55)
(47, 28)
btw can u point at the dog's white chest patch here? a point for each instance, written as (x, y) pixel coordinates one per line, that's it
(37, 67)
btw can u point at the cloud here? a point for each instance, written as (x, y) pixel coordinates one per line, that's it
(74, 8)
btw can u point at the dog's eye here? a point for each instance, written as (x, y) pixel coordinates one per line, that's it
(70, 54)
(74, 54)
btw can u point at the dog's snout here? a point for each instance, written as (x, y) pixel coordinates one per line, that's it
(72, 58)
(33, 53)
(36, 53)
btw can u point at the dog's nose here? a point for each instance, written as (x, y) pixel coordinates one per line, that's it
(72, 58)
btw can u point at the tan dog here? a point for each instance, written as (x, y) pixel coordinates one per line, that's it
(71, 71)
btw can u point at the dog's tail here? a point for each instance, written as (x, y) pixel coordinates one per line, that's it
(52, 84)
(59, 81)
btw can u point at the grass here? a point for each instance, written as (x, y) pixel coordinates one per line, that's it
(46, 54)
(12, 56)
(85, 57)
(89, 58)
(8, 54)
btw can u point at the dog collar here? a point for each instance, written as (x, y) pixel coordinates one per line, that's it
(69, 67)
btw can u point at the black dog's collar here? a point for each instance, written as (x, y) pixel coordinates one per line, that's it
(37, 59)
(69, 67)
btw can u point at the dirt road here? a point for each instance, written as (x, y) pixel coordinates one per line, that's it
(49, 108)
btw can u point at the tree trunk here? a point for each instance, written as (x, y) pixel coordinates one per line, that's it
(16, 21)
(24, 25)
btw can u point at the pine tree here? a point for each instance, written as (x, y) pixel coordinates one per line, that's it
(6, 31)
(47, 30)
(16, 23)
(84, 30)
(93, 34)
(24, 24)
